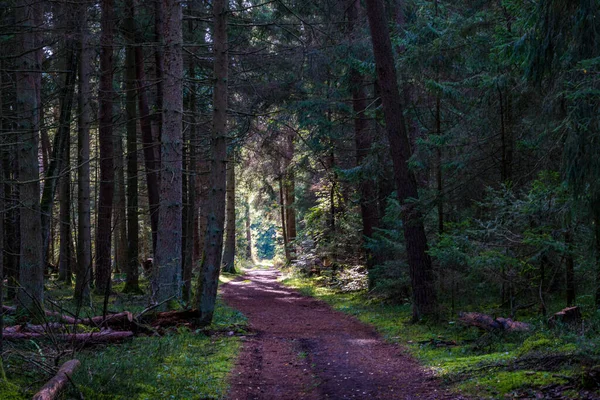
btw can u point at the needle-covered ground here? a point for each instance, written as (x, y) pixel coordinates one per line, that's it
(302, 349)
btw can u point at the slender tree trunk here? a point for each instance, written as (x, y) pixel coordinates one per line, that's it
(570, 267)
(363, 139)
(190, 209)
(289, 193)
(167, 262)
(248, 229)
(59, 149)
(132, 284)
(596, 217)
(439, 172)
(148, 143)
(229, 250)
(105, 198)
(209, 276)
(119, 207)
(159, 59)
(286, 244)
(84, 238)
(64, 267)
(421, 272)
(31, 268)
(2, 215)
(203, 193)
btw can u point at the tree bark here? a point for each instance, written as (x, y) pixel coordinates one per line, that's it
(191, 220)
(31, 267)
(64, 267)
(58, 383)
(167, 262)
(570, 267)
(289, 193)
(421, 272)
(119, 205)
(286, 244)
(61, 141)
(132, 284)
(209, 276)
(229, 250)
(248, 229)
(148, 143)
(84, 237)
(105, 198)
(363, 140)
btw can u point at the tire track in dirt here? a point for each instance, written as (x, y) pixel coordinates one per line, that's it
(302, 349)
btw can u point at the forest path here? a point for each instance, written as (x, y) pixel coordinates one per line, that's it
(302, 349)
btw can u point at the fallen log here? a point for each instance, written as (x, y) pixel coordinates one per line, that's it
(85, 339)
(57, 384)
(488, 323)
(171, 318)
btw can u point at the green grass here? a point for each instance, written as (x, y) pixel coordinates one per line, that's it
(480, 366)
(183, 364)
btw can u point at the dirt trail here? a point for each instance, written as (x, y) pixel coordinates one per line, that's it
(302, 349)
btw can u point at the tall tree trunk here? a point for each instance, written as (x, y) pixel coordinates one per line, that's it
(421, 272)
(64, 266)
(209, 276)
(596, 218)
(284, 232)
(84, 238)
(203, 193)
(2, 214)
(105, 198)
(159, 59)
(167, 274)
(31, 268)
(119, 206)
(289, 193)
(132, 284)
(229, 250)
(59, 148)
(570, 266)
(191, 221)
(248, 229)
(148, 143)
(363, 139)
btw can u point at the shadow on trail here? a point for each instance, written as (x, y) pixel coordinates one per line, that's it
(305, 350)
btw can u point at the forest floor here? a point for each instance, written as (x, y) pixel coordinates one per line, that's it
(299, 348)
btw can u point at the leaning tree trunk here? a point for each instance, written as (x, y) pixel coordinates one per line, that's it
(229, 250)
(167, 265)
(105, 132)
(84, 237)
(31, 268)
(132, 284)
(209, 276)
(419, 262)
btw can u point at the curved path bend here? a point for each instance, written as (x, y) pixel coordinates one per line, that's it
(302, 349)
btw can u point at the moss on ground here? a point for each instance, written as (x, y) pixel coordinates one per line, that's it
(180, 365)
(481, 366)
